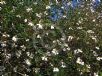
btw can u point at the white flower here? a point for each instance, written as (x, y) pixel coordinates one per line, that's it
(27, 39)
(79, 28)
(79, 21)
(54, 41)
(79, 61)
(29, 9)
(15, 69)
(44, 58)
(70, 38)
(66, 44)
(71, 28)
(48, 7)
(69, 3)
(35, 3)
(88, 66)
(14, 38)
(8, 56)
(23, 47)
(47, 33)
(77, 51)
(99, 58)
(62, 38)
(52, 27)
(92, 10)
(94, 53)
(0, 8)
(64, 16)
(18, 16)
(96, 74)
(18, 53)
(48, 53)
(56, 1)
(45, 13)
(38, 36)
(40, 26)
(25, 75)
(55, 52)
(63, 65)
(68, 48)
(3, 44)
(97, 48)
(27, 61)
(55, 69)
(38, 14)
(6, 35)
(28, 53)
(37, 70)
(2, 2)
(94, 38)
(64, 49)
(90, 31)
(93, 20)
(25, 20)
(30, 24)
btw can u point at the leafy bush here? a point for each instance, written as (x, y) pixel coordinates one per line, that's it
(50, 38)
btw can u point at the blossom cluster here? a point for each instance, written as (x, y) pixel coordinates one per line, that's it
(40, 39)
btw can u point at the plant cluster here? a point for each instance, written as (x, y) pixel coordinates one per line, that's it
(50, 37)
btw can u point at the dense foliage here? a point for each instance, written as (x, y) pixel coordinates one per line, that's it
(50, 37)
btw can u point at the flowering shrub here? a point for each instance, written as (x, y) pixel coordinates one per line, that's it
(50, 38)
